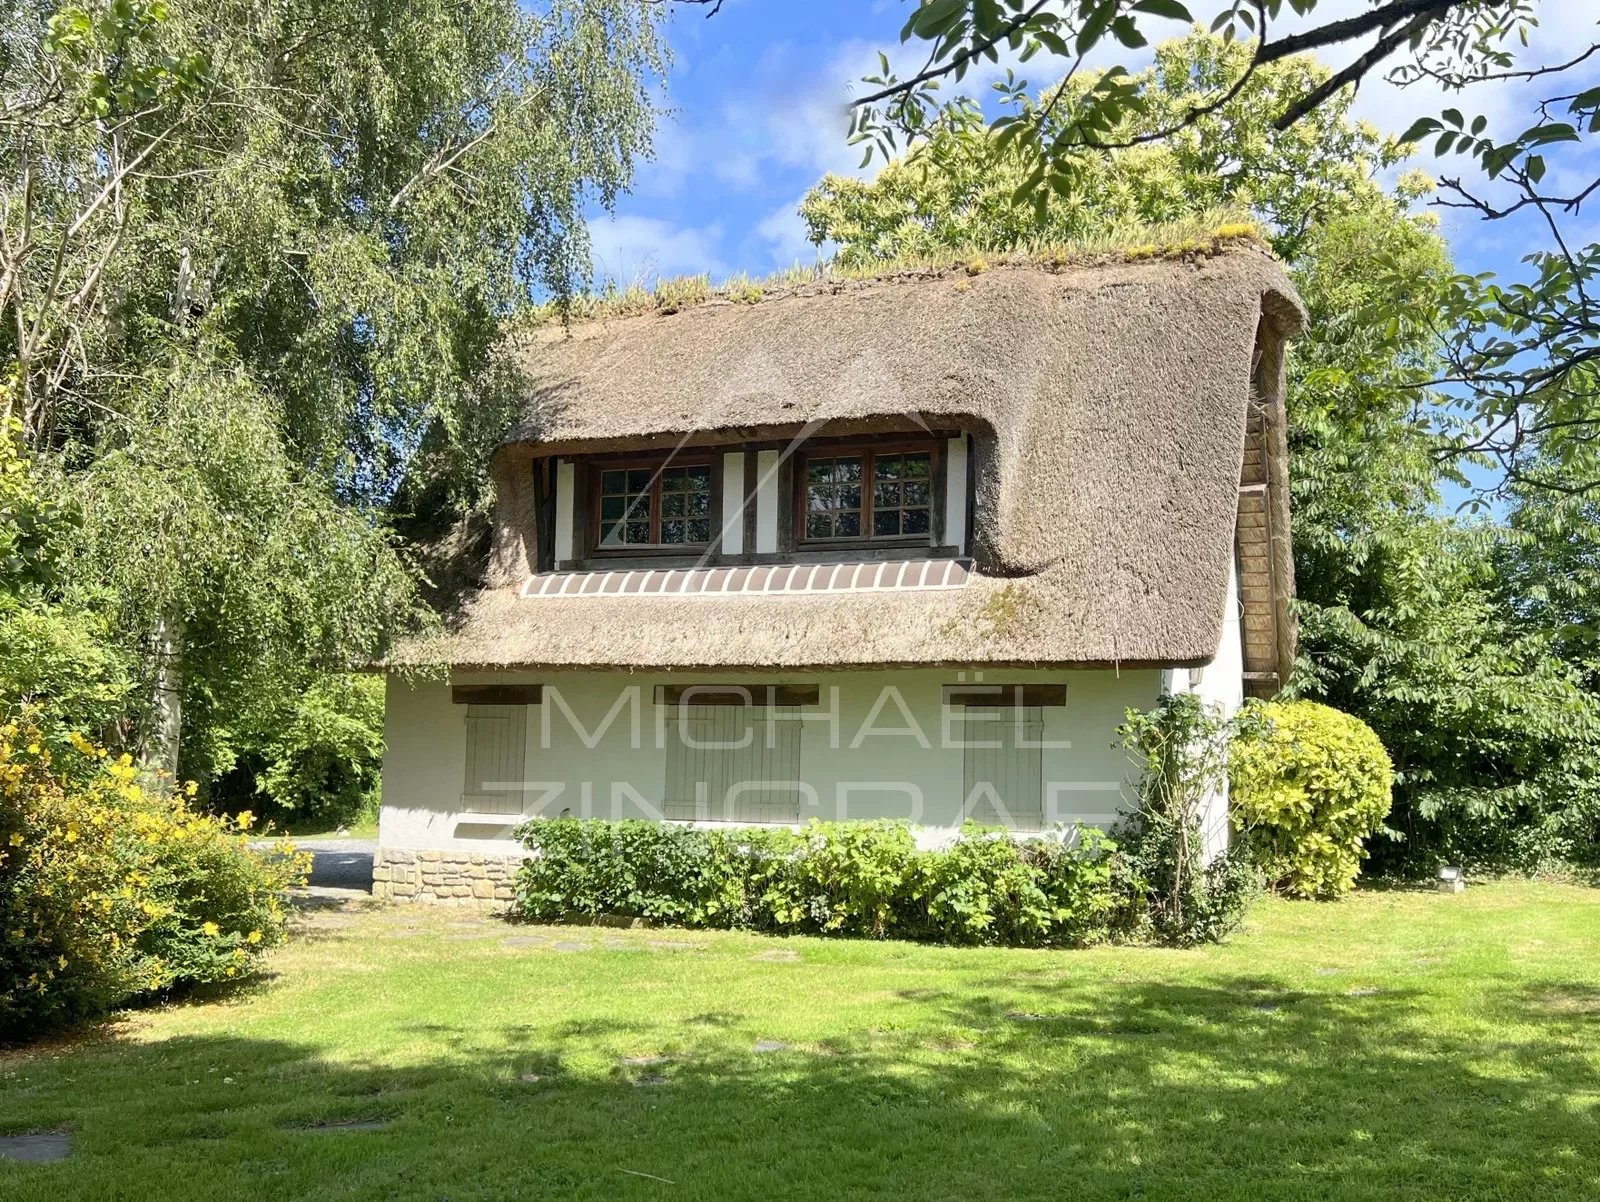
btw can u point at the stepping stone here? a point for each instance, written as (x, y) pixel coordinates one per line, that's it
(777, 955)
(570, 945)
(673, 945)
(648, 1080)
(644, 1060)
(37, 1147)
(1363, 991)
(350, 1125)
(1022, 1016)
(530, 1078)
(770, 1045)
(525, 941)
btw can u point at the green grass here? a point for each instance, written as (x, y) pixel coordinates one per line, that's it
(1398, 1045)
(1198, 237)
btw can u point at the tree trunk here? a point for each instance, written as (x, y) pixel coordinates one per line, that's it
(161, 749)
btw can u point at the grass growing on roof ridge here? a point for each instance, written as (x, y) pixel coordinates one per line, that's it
(1198, 237)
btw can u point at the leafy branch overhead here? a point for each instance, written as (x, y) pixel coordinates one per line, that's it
(1518, 360)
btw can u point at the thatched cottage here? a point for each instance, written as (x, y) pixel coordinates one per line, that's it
(898, 547)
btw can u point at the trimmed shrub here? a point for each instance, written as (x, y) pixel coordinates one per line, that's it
(838, 878)
(110, 890)
(633, 868)
(991, 888)
(865, 879)
(1308, 785)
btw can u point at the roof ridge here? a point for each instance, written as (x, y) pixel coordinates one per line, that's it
(683, 293)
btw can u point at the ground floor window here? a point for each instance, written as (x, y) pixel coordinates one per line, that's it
(733, 763)
(1004, 766)
(496, 759)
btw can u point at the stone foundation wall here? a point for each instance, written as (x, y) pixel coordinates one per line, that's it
(452, 878)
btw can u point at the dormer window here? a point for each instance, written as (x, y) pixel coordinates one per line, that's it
(877, 494)
(650, 506)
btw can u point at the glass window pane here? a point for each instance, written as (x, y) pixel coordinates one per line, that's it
(885, 523)
(850, 496)
(820, 498)
(699, 477)
(699, 503)
(818, 525)
(611, 536)
(847, 469)
(638, 532)
(916, 466)
(699, 532)
(819, 471)
(886, 496)
(848, 525)
(613, 482)
(914, 521)
(915, 492)
(672, 532)
(673, 504)
(639, 479)
(611, 507)
(639, 506)
(887, 467)
(672, 478)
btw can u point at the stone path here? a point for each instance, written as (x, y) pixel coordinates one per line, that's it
(39, 1147)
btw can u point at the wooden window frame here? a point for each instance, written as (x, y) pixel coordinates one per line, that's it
(593, 523)
(982, 695)
(754, 696)
(497, 694)
(869, 452)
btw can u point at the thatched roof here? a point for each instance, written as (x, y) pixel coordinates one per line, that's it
(1110, 405)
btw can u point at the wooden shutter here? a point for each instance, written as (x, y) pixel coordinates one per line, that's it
(1004, 781)
(496, 764)
(734, 763)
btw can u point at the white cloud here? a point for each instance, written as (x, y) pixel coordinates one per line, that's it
(628, 249)
(785, 236)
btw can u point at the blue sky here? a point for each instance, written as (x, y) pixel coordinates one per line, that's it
(758, 95)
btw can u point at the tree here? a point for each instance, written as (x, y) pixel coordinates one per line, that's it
(1523, 356)
(1404, 620)
(249, 255)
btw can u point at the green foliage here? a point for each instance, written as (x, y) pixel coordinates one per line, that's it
(863, 879)
(111, 890)
(315, 757)
(1308, 786)
(254, 258)
(635, 868)
(957, 189)
(1166, 886)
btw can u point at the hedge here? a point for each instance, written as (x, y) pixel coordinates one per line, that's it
(829, 878)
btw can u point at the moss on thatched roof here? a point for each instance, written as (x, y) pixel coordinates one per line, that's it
(1110, 403)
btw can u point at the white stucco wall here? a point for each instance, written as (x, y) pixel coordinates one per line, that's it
(862, 754)
(1220, 684)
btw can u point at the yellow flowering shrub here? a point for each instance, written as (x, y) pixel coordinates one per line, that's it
(1308, 784)
(111, 888)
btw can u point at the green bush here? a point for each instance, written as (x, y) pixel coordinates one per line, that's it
(1308, 785)
(838, 878)
(1165, 888)
(110, 889)
(633, 868)
(864, 879)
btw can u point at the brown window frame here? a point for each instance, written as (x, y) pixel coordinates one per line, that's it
(657, 464)
(869, 453)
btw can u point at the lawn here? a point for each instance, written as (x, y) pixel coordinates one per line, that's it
(1397, 1045)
